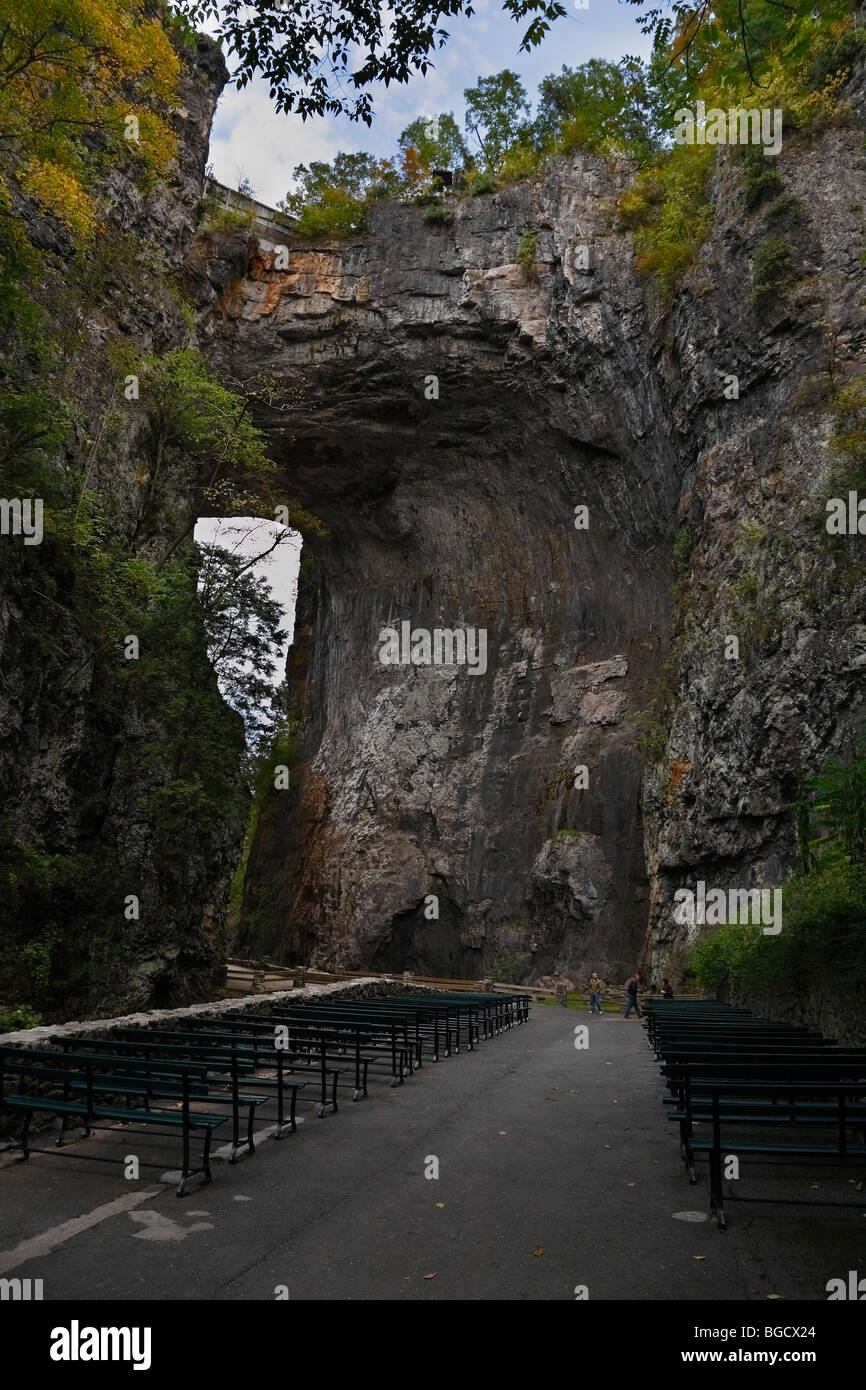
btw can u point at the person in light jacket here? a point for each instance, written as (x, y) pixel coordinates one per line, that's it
(595, 987)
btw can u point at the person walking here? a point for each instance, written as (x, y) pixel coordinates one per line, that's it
(595, 987)
(631, 989)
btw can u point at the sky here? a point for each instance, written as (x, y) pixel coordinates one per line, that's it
(250, 140)
(249, 536)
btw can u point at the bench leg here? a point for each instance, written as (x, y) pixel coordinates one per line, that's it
(235, 1132)
(185, 1172)
(278, 1131)
(28, 1119)
(189, 1173)
(238, 1144)
(717, 1199)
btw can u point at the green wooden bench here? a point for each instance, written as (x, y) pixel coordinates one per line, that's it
(43, 1068)
(846, 1104)
(145, 1052)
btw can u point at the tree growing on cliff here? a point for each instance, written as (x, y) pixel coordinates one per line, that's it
(330, 198)
(436, 143)
(744, 31)
(83, 83)
(497, 115)
(600, 107)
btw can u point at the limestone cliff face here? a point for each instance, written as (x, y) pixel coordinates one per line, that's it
(78, 773)
(450, 418)
(574, 386)
(452, 512)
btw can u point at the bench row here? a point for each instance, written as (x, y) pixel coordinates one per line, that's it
(763, 1087)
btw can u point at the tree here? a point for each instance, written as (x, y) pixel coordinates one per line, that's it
(831, 806)
(600, 107)
(437, 143)
(243, 624)
(497, 114)
(686, 32)
(83, 83)
(306, 49)
(353, 173)
(331, 199)
(191, 415)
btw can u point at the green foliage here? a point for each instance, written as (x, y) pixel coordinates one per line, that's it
(84, 591)
(787, 208)
(760, 175)
(527, 252)
(336, 215)
(668, 209)
(437, 142)
(72, 72)
(439, 215)
(832, 807)
(507, 966)
(192, 416)
(480, 182)
(497, 115)
(848, 442)
(568, 836)
(726, 55)
(600, 108)
(823, 905)
(243, 624)
(221, 218)
(353, 174)
(654, 721)
(522, 161)
(683, 545)
(331, 199)
(772, 272)
(18, 1018)
(307, 53)
(652, 736)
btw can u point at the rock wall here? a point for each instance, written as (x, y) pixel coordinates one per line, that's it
(449, 415)
(826, 1008)
(455, 412)
(78, 775)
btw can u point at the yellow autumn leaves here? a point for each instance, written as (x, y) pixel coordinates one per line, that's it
(84, 84)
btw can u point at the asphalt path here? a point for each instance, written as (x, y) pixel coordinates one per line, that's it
(558, 1178)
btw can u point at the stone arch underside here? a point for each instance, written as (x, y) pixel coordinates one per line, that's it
(444, 415)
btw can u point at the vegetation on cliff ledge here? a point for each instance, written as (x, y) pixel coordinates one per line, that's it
(823, 934)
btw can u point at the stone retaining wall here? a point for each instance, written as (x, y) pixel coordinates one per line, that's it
(842, 1018)
(248, 1004)
(254, 1004)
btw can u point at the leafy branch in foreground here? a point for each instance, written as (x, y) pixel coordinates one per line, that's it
(306, 49)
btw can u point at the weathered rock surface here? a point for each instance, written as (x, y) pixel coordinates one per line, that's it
(568, 388)
(76, 783)
(459, 511)
(454, 413)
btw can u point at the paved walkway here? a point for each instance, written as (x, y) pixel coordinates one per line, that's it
(557, 1169)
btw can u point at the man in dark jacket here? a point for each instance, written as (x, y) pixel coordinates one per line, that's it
(631, 990)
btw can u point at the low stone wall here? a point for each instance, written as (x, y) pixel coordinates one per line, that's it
(253, 1004)
(841, 1018)
(248, 1004)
